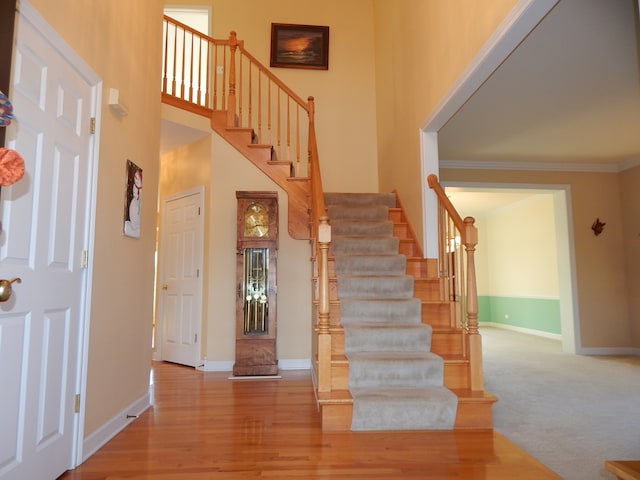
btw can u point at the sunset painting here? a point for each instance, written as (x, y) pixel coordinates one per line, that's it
(299, 46)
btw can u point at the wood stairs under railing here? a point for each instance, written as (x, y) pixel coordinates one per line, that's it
(262, 156)
(449, 341)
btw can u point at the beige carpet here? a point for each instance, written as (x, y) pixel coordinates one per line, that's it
(571, 412)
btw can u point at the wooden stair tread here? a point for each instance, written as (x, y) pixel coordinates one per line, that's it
(624, 469)
(472, 396)
(335, 396)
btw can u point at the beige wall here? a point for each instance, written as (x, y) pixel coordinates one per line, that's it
(603, 302)
(422, 47)
(121, 41)
(521, 249)
(630, 199)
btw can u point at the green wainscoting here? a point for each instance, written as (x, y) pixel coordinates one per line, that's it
(533, 313)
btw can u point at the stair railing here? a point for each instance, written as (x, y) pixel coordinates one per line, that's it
(457, 240)
(204, 75)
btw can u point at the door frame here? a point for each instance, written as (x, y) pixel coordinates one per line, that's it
(158, 338)
(75, 62)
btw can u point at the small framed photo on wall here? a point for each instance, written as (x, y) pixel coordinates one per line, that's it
(133, 200)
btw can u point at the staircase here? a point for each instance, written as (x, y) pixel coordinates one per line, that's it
(396, 382)
(387, 313)
(390, 348)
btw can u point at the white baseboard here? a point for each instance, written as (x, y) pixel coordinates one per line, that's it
(528, 331)
(555, 336)
(92, 443)
(295, 364)
(227, 365)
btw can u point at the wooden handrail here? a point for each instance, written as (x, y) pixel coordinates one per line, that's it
(432, 181)
(460, 272)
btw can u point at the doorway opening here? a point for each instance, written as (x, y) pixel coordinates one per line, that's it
(524, 256)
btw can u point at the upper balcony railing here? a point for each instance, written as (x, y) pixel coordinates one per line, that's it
(208, 74)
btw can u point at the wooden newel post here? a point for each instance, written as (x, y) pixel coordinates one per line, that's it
(324, 336)
(475, 340)
(231, 101)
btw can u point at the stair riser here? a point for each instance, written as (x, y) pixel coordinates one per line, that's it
(382, 310)
(448, 343)
(355, 246)
(413, 413)
(427, 289)
(371, 265)
(375, 287)
(345, 228)
(358, 213)
(363, 199)
(395, 373)
(469, 416)
(400, 230)
(408, 248)
(456, 375)
(397, 339)
(438, 315)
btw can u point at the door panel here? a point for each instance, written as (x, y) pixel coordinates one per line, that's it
(181, 274)
(45, 230)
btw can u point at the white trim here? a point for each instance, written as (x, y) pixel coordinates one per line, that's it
(527, 331)
(534, 166)
(227, 365)
(93, 442)
(295, 364)
(219, 366)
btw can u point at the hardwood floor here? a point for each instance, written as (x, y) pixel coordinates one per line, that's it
(204, 426)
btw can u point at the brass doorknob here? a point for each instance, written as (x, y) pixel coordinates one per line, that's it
(5, 288)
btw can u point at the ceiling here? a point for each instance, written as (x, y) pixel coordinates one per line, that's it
(569, 94)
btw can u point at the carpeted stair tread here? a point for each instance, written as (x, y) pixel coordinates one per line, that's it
(389, 337)
(395, 369)
(371, 264)
(431, 408)
(395, 380)
(367, 286)
(380, 310)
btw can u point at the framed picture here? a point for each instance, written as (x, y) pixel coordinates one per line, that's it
(299, 46)
(133, 200)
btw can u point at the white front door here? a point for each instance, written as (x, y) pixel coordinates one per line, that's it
(45, 219)
(181, 254)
